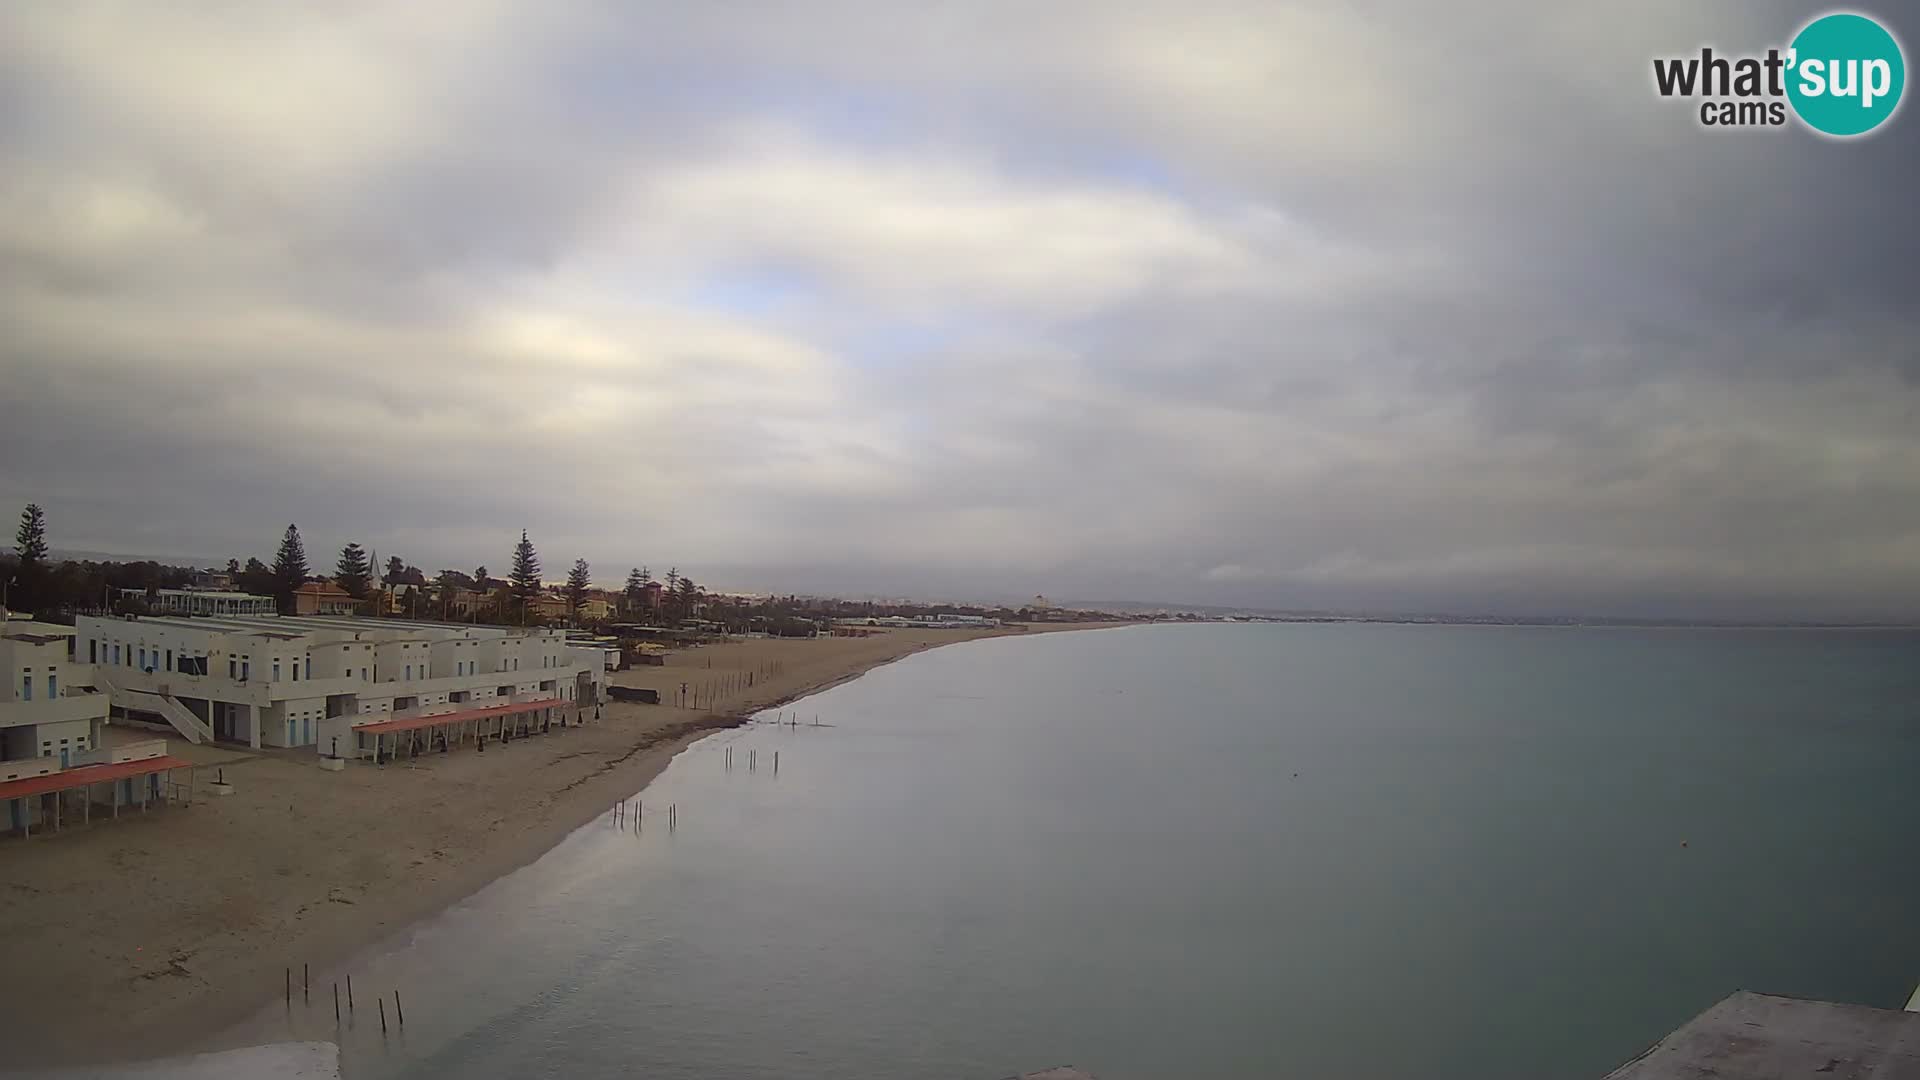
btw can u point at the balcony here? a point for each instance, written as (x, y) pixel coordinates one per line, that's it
(73, 704)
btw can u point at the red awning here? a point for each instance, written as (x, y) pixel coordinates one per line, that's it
(412, 723)
(68, 779)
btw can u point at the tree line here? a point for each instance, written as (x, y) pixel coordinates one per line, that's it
(34, 582)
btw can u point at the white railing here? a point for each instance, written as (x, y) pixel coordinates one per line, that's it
(190, 727)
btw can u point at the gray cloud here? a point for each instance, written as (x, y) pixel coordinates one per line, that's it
(1388, 306)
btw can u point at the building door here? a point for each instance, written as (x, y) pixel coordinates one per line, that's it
(63, 757)
(306, 730)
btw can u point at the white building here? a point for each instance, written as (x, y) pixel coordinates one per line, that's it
(49, 714)
(201, 602)
(310, 680)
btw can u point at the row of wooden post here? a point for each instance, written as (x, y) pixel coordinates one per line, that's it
(713, 689)
(620, 815)
(305, 994)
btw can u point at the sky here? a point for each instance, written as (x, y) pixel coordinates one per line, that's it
(1379, 306)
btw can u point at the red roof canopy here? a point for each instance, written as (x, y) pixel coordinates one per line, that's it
(410, 723)
(68, 779)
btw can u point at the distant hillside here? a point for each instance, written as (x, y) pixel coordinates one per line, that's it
(77, 555)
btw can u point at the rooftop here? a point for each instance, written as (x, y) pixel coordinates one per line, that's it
(39, 633)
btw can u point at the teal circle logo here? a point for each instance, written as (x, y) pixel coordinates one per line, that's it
(1845, 74)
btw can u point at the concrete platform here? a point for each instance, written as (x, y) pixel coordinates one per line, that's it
(1761, 1037)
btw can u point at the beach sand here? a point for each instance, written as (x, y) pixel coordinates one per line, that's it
(151, 934)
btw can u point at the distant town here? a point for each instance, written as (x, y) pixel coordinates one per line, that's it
(363, 583)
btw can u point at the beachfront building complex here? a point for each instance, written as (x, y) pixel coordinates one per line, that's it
(296, 681)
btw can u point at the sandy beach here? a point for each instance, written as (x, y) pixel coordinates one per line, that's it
(151, 934)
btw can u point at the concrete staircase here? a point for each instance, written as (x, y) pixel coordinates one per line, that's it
(162, 704)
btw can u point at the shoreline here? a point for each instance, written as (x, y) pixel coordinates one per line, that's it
(188, 918)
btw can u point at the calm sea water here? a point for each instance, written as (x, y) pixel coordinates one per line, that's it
(1172, 853)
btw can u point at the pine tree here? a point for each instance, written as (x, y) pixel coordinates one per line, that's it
(352, 572)
(636, 588)
(289, 567)
(395, 570)
(480, 577)
(579, 580)
(525, 575)
(30, 553)
(30, 542)
(686, 590)
(233, 568)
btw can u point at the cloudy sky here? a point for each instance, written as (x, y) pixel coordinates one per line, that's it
(1387, 305)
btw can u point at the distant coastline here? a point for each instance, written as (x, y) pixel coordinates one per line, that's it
(1155, 612)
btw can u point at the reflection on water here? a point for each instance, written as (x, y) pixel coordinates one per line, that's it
(1216, 851)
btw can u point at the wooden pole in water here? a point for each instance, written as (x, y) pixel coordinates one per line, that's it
(383, 1016)
(305, 990)
(336, 1003)
(776, 763)
(289, 987)
(349, 993)
(397, 1008)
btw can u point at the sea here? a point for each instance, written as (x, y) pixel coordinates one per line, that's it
(1183, 852)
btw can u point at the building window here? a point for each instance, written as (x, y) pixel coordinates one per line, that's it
(53, 686)
(246, 669)
(276, 669)
(93, 650)
(116, 655)
(309, 667)
(143, 659)
(233, 667)
(26, 688)
(169, 659)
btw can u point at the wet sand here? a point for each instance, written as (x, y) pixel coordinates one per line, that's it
(148, 935)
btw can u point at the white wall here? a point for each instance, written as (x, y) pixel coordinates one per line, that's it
(369, 661)
(35, 661)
